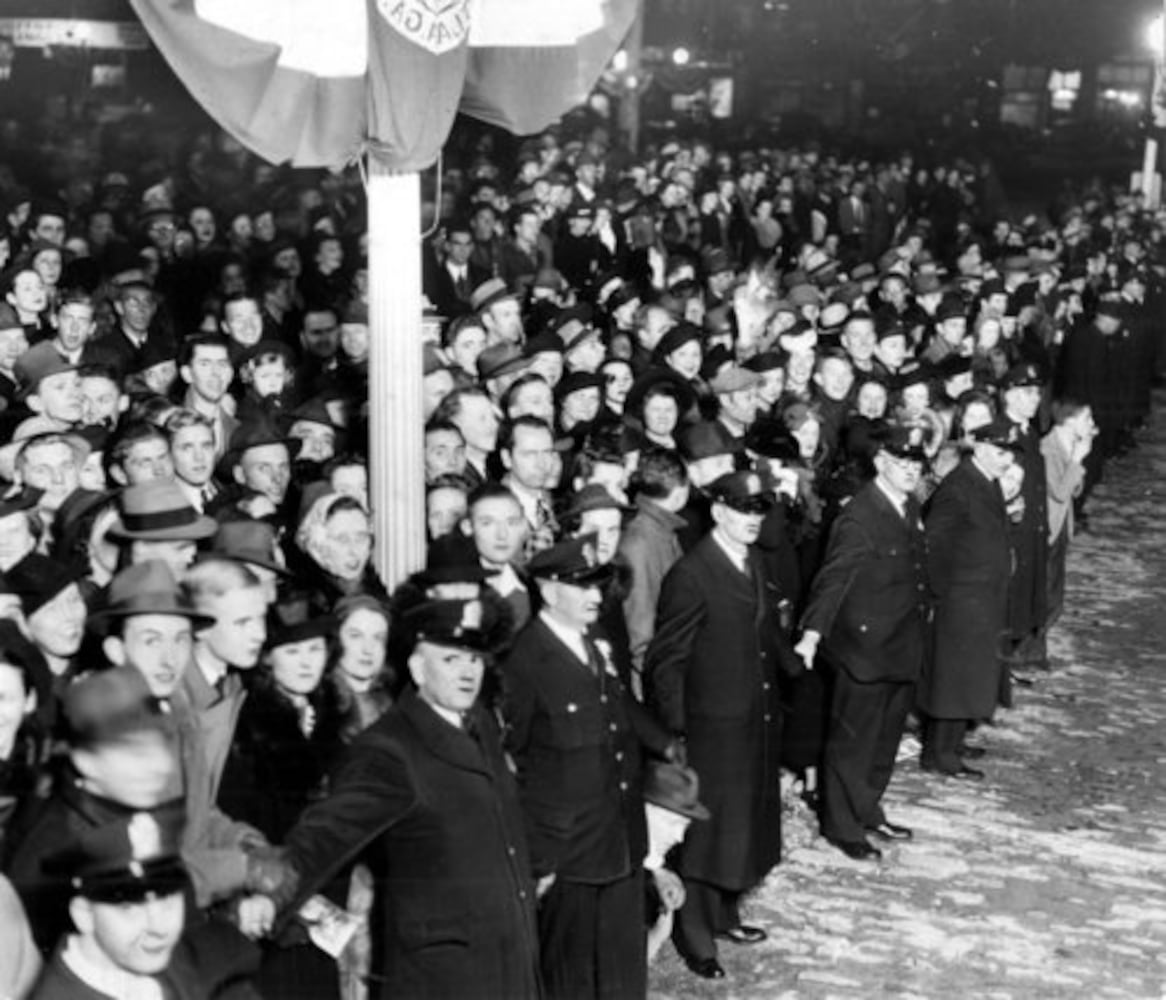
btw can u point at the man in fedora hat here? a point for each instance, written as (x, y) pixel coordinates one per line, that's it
(578, 738)
(711, 674)
(869, 611)
(256, 545)
(404, 795)
(158, 523)
(671, 803)
(148, 624)
(259, 466)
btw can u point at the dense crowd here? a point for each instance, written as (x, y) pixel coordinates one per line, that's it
(739, 466)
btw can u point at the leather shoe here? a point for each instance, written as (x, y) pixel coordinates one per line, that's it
(858, 850)
(744, 934)
(706, 968)
(966, 773)
(892, 831)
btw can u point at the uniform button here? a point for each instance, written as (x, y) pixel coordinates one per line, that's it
(522, 894)
(623, 786)
(764, 687)
(768, 717)
(511, 851)
(619, 755)
(612, 727)
(572, 707)
(603, 700)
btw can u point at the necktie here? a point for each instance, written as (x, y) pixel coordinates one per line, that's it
(461, 284)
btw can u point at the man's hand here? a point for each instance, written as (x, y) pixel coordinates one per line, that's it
(671, 888)
(270, 873)
(543, 885)
(255, 916)
(807, 647)
(676, 753)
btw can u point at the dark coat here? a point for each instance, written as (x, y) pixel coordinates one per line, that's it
(577, 738)
(711, 674)
(273, 771)
(436, 815)
(1028, 604)
(870, 600)
(970, 562)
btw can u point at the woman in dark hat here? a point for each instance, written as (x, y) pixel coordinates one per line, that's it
(285, 743)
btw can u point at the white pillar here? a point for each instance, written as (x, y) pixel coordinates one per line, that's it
(396, 453)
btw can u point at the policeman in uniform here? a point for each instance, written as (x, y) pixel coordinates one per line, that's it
(868, 615)
(427, 798)
(577, 738)
(128, 886)
(712, 677)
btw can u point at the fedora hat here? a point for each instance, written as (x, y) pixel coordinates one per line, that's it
(147, 588)
(158, 511)
(248, 541)
(675, 788)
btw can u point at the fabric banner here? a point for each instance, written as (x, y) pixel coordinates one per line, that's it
(313, 82)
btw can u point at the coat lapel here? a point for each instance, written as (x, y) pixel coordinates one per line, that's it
(441, 738)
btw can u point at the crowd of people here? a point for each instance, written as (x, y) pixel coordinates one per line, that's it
(740, 464)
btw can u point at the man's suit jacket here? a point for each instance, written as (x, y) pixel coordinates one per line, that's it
(434, 811)
(577, 738)
(443, 292)
(870, 600)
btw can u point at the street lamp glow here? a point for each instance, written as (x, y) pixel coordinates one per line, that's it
(619, 62)
(681, 56)
(1156, 36)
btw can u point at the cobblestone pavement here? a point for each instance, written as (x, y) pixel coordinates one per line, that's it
(1046, 880)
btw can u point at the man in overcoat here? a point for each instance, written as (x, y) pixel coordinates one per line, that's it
(711, 676)
(1021, 389)
(426, 797)
(969, 558)
(578, 739)
(868, 611)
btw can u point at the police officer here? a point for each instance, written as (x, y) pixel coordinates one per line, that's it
(577, 738)
(426, 793)
(867, 614)
(711, 675)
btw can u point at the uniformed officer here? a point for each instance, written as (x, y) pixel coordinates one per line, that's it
(427, 797)
(577, 738)
(868, 612)
(711, 676)
(128, 887)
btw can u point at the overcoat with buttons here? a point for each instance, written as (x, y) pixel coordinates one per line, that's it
(577, 738)
(871, 599)
(711, 675)
(434, 813)
(971, 562)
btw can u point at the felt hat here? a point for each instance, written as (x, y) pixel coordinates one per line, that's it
(146, 588)
(158, 511)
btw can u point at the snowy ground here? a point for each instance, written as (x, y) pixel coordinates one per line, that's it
(1046, 880)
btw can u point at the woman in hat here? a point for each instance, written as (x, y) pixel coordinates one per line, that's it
(336, 536)
(285, 743)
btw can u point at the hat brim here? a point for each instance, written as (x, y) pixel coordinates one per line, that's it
(585, 577)
(474, 640)
(163, 877)
(198, 529)
(692, 811)
(99, 621)
(749, 505)
(312, 629)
